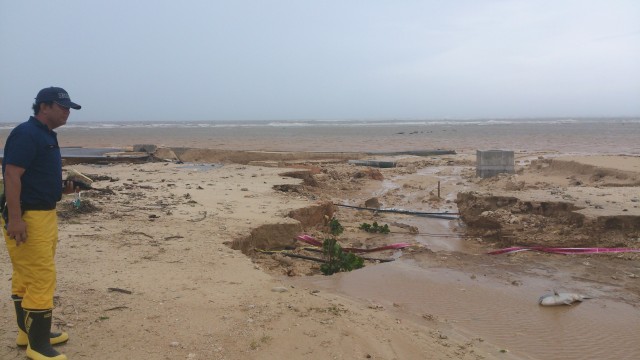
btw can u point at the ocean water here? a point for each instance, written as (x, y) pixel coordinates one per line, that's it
(566, 135)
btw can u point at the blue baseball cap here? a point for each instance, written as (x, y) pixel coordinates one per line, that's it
(57, 95)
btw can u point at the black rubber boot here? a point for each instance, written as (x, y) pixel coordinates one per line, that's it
(38, 325)
(23, 339)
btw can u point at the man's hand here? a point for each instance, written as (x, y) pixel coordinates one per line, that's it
(67, 187)
(16, 227)
(17, 230)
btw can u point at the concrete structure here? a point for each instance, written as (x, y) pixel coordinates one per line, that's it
(493, 162)
(148, 148)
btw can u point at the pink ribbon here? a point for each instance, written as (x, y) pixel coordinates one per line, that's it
(565, 251)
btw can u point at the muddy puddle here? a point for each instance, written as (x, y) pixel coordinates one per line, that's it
(504, 315)
(436, 234)
(463, 288)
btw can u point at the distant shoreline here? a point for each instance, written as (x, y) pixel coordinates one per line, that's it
(338, 123)
(574, 136)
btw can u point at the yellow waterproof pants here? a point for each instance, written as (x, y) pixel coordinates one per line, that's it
(34, 269)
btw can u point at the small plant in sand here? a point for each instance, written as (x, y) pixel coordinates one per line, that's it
(375, 228)
(335, 227)
(338, 260)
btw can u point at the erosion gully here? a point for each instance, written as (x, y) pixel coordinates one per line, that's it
(462, 288)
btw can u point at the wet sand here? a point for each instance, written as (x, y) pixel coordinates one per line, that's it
(495, 298)
(451, 281)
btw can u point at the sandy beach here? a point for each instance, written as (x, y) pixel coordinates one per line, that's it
(166, 259)
(305, 180)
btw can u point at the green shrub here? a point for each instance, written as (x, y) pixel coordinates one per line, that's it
(338, 260)
(375, 228)
(335, 227)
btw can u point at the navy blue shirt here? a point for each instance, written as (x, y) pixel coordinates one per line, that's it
(33, 147)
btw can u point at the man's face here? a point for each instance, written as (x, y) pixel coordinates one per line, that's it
(55, 115)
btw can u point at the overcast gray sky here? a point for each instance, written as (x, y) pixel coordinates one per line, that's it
(325, 59)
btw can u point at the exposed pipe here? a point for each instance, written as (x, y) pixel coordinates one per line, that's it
(440, 215)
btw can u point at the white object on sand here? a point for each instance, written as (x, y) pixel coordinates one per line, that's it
(560, 299)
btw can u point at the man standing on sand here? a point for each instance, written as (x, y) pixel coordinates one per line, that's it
(32, 171)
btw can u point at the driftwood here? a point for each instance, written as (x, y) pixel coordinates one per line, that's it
(129, 292)
(364, 257)
(293, 255)
(314, 258)
(117, 308)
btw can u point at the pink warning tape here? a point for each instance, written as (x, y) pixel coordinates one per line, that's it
(309, 240)
(564, 251)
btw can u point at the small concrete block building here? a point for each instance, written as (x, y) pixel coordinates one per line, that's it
(493, 162)
(148, 148)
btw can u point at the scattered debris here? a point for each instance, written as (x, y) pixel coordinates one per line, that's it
(68, 210)
(203, 214)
